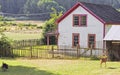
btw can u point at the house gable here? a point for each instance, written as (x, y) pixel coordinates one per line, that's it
(74, 8)
(66, 28)
(105, 14)
(68, 12)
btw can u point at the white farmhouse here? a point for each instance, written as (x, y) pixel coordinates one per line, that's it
(86, 25)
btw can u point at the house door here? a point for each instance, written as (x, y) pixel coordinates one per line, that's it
(75, 39)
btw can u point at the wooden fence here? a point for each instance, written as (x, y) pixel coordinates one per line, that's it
(29, 42)
(47, 52)
(43, 52)
(35, 49)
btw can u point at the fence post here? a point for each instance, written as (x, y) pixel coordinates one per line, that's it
(12, 55)
(91, 50)
(78, 51)
(30, 51)
(52, 51)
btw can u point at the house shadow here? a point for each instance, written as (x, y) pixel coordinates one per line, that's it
(23, 70)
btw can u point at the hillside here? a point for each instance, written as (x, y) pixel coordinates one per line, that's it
(40, 9)
(67, 3)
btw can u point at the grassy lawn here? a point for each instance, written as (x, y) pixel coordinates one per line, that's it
(21, 32)
(21, 36)
(59, 67)
(39, 23)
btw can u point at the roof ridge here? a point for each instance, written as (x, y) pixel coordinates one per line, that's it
(93, 3)
(104, 13)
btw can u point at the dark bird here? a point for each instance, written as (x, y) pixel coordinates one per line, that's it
(4, 66)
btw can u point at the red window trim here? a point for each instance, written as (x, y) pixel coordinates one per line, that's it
(86, 19)
(75, 34)
(73, 20)
(94, 39)
(79, 15)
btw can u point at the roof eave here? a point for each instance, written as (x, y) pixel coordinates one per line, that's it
(73, 8)
(111, 23)
(67, 13)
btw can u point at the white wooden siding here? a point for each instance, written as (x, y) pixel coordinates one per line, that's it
(94, 26)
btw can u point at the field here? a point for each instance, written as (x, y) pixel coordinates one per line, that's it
(59, 67)
(22, 36)
(15, 33)
(39, 23)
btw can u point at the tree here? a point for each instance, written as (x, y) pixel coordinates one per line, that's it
(46, 5)
(50, 25)
(30, 7)
(41, 2)
(5, 45)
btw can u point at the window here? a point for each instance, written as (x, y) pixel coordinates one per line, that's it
(83, 20)
(76, 20)
(75, 39)
(79, 20)
(91, 40)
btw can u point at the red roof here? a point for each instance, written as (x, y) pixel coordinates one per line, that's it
(73, 8)
(68, 12)
(98, 11)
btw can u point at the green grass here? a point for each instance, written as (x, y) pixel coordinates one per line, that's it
(38, 23)
(59, 67)
(39, 51)
(21, 36)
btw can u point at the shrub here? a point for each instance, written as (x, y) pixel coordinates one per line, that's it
(94, 58)
(5, 46)
(39, 27)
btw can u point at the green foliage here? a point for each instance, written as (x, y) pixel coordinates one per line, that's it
(5, 45)
(30, 7)
(12, 6)
(5, 19)
(1, 18)
(47, 5)
(41, 2)
(50, 25)
(94, 58)
(118, 10)
(39, 27)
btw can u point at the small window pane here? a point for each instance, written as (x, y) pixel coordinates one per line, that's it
(76, 39)
(91, 41)
(76, 20)
(83, 20)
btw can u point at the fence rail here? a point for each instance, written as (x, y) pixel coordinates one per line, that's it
(35, 49)
(51, 52)
(44, 52)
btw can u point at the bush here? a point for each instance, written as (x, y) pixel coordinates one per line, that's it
(5, 49)
(5, 46)
(94, 58)
(39, 27)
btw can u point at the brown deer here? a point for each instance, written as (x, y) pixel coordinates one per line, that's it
(103, 60)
